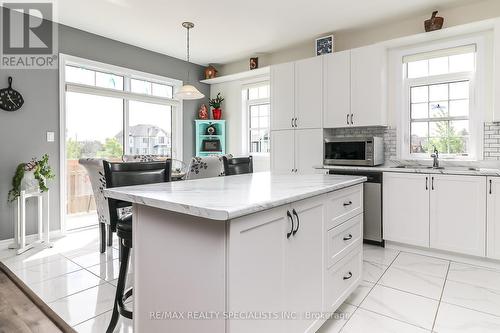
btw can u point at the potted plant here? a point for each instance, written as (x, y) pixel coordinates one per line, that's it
(31, 177)
(216, 103)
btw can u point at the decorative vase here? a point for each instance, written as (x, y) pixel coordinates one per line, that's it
(217, 113)
(434, 23)
(29, 183)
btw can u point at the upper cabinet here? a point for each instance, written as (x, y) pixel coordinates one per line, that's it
(282, 96)
(309, 93)
(355, 88)
(337, 89)
(342, 89)
(369, 86)
(297, 95)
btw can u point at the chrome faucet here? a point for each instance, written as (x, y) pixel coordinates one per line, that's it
(435, 156)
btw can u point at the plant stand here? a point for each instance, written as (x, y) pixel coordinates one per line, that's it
(20, 221)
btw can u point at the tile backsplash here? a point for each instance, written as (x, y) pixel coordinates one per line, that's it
(388, 133)
(491, 138)
(492, 141)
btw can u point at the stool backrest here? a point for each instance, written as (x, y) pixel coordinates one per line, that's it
(238, 165)
(120, 174)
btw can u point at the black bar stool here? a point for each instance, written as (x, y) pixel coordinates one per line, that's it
(128, 174)
(237, 165)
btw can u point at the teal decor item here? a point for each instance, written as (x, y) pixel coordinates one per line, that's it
(210, 137)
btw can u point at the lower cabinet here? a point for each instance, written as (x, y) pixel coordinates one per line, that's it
(304, 263)
(458, 214)
(493, 218)
(256, 272)
(406, 208)
(276, 264)
(445, 212)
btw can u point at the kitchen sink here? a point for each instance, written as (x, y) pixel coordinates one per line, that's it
(416, 167)
(433, 168)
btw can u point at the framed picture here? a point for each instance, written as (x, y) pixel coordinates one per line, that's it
(325, 45)
(211, 145)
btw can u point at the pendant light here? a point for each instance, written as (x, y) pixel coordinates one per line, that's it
(188, 91)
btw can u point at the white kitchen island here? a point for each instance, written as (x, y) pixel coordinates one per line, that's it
(251, 253)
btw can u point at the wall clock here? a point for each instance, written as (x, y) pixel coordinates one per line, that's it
(10, 99)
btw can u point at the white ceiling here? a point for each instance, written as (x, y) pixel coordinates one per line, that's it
(229, 30)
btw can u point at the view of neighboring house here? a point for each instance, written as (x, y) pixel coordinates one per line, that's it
(147, 139)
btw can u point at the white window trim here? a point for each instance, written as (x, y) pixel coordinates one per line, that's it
(477, 104)
(64, 59)
(246, 114)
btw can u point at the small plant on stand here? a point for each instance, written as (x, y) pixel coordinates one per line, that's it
(215, 103)
(31, 176)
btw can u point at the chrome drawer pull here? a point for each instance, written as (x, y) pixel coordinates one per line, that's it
(349, 275)
(349, 237)
(348, 203)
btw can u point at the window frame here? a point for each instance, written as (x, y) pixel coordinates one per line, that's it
(125, 94)
(247, 104)
(476, 95)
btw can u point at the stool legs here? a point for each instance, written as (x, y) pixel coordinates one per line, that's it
(121, 295)
(110, 235)
(102, 231)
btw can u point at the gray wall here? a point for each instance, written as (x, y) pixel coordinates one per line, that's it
(22, 133)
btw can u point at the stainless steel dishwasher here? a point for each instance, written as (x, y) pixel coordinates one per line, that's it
(372, 201)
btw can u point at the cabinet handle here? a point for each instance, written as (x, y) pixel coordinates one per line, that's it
(298, 221)
(432, 183)
(288, 234)
(427, 183)
(348, 203)
(291, 122)
(490, 186)
(352, 115)
(347, 121)
(295, 122)
(349, 275)
(349, 237)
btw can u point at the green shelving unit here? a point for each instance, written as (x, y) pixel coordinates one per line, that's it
(201, 135)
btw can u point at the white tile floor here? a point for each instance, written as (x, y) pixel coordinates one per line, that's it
(74, 279)
(401, 292)
(405, 292)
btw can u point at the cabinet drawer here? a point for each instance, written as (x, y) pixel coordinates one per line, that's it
(342, 278)
(343, 205)
(343, 239)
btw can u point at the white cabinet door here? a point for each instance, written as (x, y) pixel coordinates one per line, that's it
(282, 96)
(337, 89)
(308, 150)
(282, 151)
(369, 86)
(309, 92)
(256, 277)
(493, 218)
(304, 263)
(458, 214)
(406, 208)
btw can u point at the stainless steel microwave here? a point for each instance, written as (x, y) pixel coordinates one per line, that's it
(366, 151)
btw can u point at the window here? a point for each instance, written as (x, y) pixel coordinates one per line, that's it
(438, 85)
(109, 112)
(257, 109)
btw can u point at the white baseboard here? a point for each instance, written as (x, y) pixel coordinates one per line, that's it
(463, 258)
(4, 244)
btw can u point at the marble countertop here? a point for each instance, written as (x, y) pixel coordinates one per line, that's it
(225, 198)
(448, 170)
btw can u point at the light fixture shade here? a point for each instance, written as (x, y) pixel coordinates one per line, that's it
(188, 91)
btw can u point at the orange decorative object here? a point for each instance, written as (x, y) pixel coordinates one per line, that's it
(210, 72)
